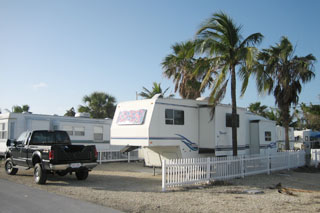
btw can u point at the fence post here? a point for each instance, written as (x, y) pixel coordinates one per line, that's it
(128, 157)
(164, 175)
(242, 165)
(315, 158)
(100, 157)
(269, 163)
(208, 169)
(288, 160)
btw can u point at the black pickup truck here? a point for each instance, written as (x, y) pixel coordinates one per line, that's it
(49, 152)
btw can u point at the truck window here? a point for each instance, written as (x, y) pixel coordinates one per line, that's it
(22, 138)
(47, 138)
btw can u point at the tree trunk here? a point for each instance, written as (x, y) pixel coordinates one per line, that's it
(234, 112)
(286, 118)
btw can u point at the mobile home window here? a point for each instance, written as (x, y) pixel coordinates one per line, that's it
(229, 120)
(79, 131)
(68, 129)
(97, 133)
(174, 117)
(267, 136)
(3, 131)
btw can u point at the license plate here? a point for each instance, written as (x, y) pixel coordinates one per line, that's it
(75, 165)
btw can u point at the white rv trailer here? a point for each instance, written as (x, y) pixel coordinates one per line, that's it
(307, 139)
(82, 130)
(178, 128)
(281, 138)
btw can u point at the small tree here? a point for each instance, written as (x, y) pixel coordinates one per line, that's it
(99, 105)
(21, 109)
(70, 112)
(156, 89)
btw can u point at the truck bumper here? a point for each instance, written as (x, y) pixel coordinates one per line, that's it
(72, 166)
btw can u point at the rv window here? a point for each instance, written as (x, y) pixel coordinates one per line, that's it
(178, 117)
(79, 131)
(174, 117)
(3, 132)
(229, 120)
(98, 133)
(132, 117)
(169, 116)
(267, 136)
(306, 138)
(68, 129)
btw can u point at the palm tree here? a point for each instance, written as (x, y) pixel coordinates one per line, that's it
(99, 105)
(258, 109)
(156, 89)
(281, 73)
(311, 116)
(222, 42)
(180, 67)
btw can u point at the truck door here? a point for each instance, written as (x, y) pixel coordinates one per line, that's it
(24, 151)
(17, 156)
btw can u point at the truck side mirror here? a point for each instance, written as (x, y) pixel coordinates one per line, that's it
(9, 142)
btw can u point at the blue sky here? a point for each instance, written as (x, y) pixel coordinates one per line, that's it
(52, 53)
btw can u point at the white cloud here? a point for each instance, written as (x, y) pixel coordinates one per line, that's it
(39, 85)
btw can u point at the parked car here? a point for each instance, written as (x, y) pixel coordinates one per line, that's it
(49, 152)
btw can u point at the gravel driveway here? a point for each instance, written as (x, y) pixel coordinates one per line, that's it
(130, 187)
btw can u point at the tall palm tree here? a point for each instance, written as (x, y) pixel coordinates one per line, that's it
(222, 42)
(156, 89)
(282, 73)
(180, 67)
(99, 105)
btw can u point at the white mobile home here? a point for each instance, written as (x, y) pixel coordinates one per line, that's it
(82, 130)
(178, 128)
(281, 138)
(307, 139)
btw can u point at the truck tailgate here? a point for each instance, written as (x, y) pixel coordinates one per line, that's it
(73, 153)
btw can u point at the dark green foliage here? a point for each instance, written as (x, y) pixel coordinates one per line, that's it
(99, 105)
(156, 89)
(70, 112)
(281, 73)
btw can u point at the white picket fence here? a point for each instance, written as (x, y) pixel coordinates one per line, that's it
(113, 156)
(315, 157)
(180, 172)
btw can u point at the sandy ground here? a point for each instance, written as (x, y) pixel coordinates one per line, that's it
(130, 187)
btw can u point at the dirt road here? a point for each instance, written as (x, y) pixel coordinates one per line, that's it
(130, 187)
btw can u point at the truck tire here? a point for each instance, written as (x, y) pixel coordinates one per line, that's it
(40, 175)
(9, 167)
(82, 174)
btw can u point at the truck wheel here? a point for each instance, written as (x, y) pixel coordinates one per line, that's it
(82, 174)
(40, 175)
(10, 170)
